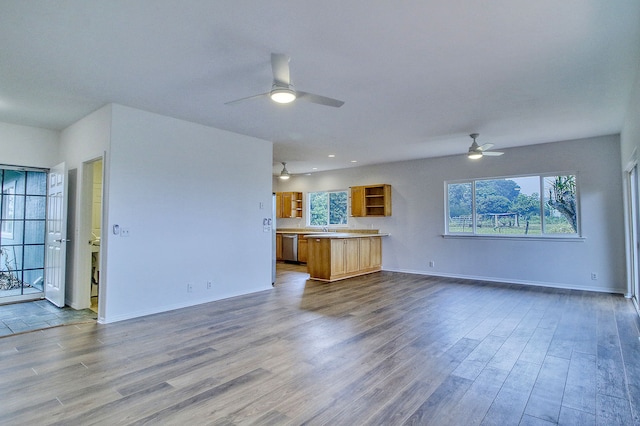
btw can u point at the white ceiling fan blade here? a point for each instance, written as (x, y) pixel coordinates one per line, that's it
(492, 153)
(485, 146)
(247, 98)
(280, 68)
(321, 100)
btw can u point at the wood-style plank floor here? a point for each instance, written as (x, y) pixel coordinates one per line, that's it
(382, 349)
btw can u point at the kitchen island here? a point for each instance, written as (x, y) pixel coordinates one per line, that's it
(336, 256)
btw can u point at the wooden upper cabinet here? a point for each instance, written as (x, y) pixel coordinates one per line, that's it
(288, 204)
(357, 201)
(371, 200)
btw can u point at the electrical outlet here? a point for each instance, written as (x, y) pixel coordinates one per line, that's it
(209, 284)
(594, 276)
(432, 263)
(189, 288)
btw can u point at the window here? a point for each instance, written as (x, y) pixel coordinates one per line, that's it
(327, 208)
(520, 205)
(22, 224)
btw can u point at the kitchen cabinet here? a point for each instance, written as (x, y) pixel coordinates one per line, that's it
(370, 253)
(337, 257)
(345, 256)
(278, 247)
(371, 200)
(288, 204)
(302, 250)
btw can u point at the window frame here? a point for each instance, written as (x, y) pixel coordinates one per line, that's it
(309, 197)
(577, 236)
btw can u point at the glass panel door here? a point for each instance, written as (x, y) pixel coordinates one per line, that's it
(22, 231)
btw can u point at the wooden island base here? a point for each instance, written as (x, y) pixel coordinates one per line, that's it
(334, 257)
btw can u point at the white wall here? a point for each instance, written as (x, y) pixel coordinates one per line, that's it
(190, 197)
(83, 141)
(630, 135)
(28, 146)
(417, 223)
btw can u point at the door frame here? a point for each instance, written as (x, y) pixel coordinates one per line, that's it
(632, 229)
(83, 267)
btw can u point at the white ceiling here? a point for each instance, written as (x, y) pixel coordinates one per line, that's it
(416, 76)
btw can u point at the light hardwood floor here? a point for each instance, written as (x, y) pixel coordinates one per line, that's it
(382, 349)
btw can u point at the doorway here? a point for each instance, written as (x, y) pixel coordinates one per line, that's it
(633, 227)
(23, 202)
(92, 189)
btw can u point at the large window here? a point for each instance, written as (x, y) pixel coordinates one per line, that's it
(520, 205)
(22, 231)
(327, 208)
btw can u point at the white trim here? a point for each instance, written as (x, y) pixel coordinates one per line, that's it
(549, 237)
(173, 307)
(563, 286)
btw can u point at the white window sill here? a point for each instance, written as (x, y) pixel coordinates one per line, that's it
(515, 237)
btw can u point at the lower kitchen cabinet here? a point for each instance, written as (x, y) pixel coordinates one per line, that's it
(331, 258)
(302, 250)
(278, 247)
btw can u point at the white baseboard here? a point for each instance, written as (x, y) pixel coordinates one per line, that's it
(564, 286)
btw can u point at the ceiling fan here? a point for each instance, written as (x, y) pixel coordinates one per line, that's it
(282, 91)
(476, 151)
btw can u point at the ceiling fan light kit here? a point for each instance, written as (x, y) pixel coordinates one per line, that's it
(284, 174)
(477, 152)
(282, 90)
(282, 95)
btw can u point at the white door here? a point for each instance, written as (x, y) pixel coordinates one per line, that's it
(55, 260)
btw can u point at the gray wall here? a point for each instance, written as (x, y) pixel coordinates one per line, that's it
(417, 223)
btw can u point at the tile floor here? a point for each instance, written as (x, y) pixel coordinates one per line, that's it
(29, 316)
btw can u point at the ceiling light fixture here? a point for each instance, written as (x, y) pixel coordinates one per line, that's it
(284, 174)
(476, 151)
(282, 95)
(474, 155)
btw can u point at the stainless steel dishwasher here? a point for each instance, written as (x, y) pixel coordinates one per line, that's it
(290, 247)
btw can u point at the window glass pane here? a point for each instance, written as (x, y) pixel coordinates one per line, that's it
(328, 208)
(508, 206)
(12, 207)
(33, 257)
(10, 258)
(14, 179)
(527, 205)
(560, 213)
(10, 280)
(36, 207)
(318, 208)
(337, 208)
(12, 232)
(34, 232)
(35, 279)
(36, 183)
(460, 208)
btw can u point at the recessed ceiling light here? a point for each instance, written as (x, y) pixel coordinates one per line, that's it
(332, 155)
(354, 161)
(315, 168)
